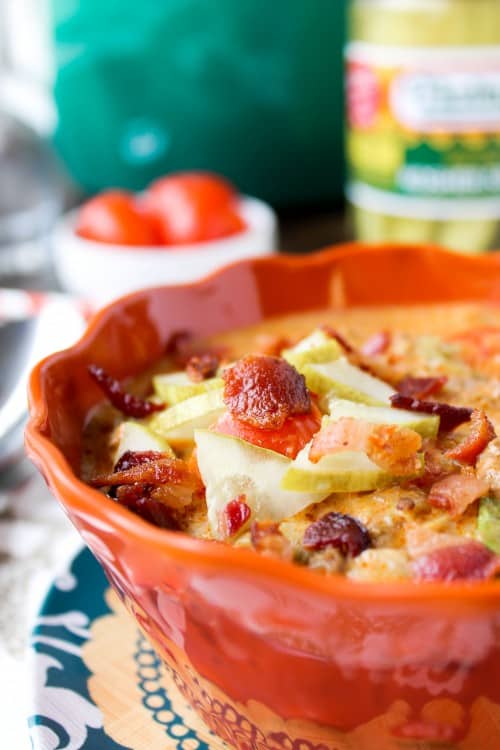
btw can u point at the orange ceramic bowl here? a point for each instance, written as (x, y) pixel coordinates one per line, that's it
(272, 655)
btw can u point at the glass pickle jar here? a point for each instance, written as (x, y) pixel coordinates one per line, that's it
(423, 121)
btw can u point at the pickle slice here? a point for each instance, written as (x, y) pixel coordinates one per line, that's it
(317, 347)
(178, 422)
(177, 386)
(426, 425)
(136, 437)
(488, 523)
(340, 378)
(230, 467)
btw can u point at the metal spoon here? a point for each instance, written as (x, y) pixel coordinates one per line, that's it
(16, 346)
(22, 344)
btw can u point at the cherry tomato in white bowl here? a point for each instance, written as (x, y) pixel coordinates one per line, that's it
(193, 207)
(118, 244)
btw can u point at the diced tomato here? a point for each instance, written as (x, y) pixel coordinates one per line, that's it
(115, 218)
(192, 207)
(288, 440)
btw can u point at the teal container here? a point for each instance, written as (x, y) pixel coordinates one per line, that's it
(249, 88)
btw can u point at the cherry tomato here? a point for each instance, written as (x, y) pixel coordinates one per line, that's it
(114, 217)
(192, 207)
(289, 440)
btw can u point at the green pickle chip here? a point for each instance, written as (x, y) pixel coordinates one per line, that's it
(488, 523)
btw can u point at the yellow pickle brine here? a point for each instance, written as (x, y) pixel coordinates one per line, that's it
(423, 113)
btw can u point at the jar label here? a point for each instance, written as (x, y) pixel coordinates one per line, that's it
(424, 129)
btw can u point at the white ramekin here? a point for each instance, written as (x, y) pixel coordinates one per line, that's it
(99, 272)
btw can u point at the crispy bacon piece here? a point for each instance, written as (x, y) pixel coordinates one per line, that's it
(202, 366)
(449, 416)
(470, 561)
(236, 514)
(456, 492)
(272, 344)
(421, 387)
(340, 531)
(267, 539)
(263, 391)
(359, 359)
(178, 342)
(482, 432)
(376, 344)
(183, 345)
(175, 496)
(135, 458)
(163, 470)
(392, 448)
(436, 467)
(333, 334)
(130, 405)
(192, 465)
(136, 498)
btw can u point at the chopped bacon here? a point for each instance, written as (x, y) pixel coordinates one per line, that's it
(178, 342)
(173, 495)
(236, 514)
(392, 448)
(268, 540)
(128, 404)
(449, 416)
(183, 345)
(469, 561)
(163, 470)
(136, 498)
(340, 531)
(263, 391)
(436, 467)
(456, 492)
(359, 359)
(482, 432)
(421, 387)
(272, 344)
(202, 366)
(192, 465)
(135, 458)
(333, 334)
(376, 344)
(420, 540)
